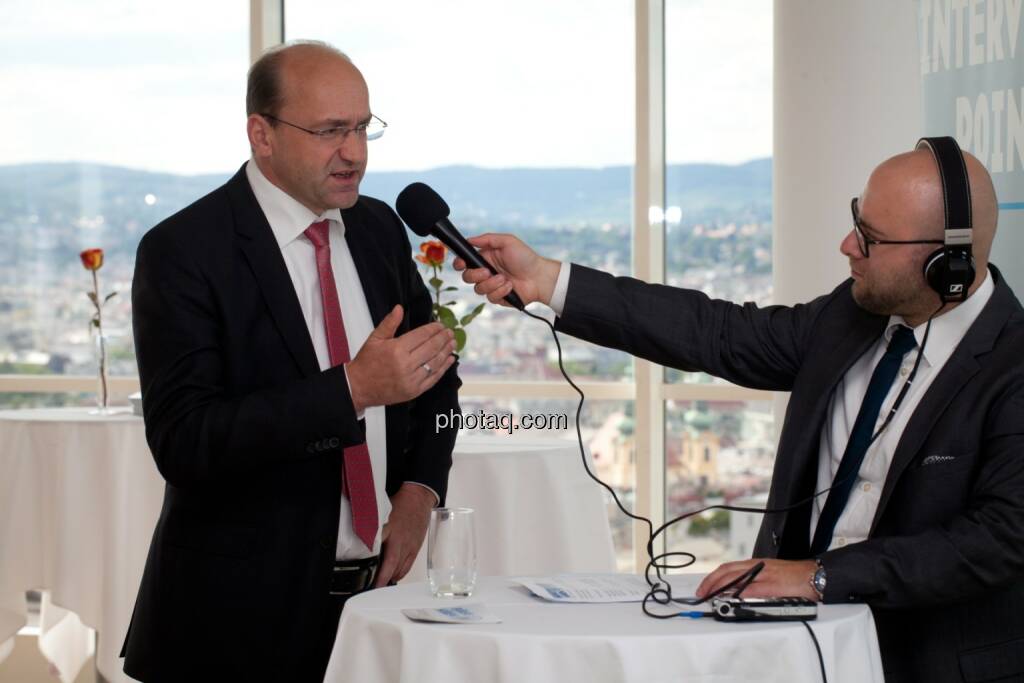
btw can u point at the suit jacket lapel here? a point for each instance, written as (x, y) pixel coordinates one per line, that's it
(960, 367)
(379, 284)
(846, 344)
(844, 338)
(267, 263)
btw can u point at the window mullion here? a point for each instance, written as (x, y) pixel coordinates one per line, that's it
(648, 260)
(266, 26)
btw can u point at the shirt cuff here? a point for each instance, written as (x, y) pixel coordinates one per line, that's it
(437, 498)
(561, 289)
(359, 413)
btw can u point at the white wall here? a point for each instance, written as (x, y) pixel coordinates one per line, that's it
(847, 96)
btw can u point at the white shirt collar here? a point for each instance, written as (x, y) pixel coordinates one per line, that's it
(287, 216)
(950, 327)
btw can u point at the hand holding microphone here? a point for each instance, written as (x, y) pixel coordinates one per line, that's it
(519, 267)
(520, 271)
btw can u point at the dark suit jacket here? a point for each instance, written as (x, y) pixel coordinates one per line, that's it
(943, 567)
(248, 433)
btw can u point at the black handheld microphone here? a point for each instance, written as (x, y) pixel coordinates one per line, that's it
(426, 214)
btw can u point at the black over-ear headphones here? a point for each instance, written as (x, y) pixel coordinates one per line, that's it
(949, 270)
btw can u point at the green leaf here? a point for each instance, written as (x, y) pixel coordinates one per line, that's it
(447, 318)
(460, 339)
(450, 289)
(468, 318)
(450, 303)
(110, 296)
(92, 298)
(436, 282)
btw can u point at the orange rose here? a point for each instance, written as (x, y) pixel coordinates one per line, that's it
(92, 259)
(432, 253)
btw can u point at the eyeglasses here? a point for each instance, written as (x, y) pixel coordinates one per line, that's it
(371, 130)
(864, 242)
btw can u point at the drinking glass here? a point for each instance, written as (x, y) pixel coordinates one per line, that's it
(451, 553)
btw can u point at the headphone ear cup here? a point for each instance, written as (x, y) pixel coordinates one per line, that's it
(935, 267)
(938, 277)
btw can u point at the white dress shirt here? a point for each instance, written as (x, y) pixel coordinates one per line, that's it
(946, 332)
(289, 219)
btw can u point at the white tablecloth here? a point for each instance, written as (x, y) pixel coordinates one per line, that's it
(80, 496)
(537, 511)
(542, 642)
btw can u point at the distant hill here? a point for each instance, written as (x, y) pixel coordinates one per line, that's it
(520, 196)
(49, 211)
(553, 196)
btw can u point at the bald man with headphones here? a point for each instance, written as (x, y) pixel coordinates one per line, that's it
(906, 412)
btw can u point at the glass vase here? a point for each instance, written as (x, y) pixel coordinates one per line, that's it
(101, 350)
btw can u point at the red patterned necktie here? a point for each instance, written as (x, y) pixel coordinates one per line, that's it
(357, 480)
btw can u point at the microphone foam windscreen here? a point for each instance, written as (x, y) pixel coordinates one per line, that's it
(420, 207)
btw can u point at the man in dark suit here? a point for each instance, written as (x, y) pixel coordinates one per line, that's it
(290, 377)
(932, 534)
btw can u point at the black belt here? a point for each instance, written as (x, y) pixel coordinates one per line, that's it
(349, 577)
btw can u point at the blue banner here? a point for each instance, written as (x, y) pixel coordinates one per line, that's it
(972, 71)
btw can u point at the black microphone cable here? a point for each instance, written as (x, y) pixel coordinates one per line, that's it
(817, 648)
(661, 590)
(889, 417)
(659, 562)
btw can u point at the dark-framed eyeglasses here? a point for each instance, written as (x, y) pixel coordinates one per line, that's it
(370, 130)
(865, 242)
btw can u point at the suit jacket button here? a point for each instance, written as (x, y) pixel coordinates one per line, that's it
(310, 448)
(319, 446)
(334, 442)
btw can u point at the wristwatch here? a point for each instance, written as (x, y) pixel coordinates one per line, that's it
(818, 581)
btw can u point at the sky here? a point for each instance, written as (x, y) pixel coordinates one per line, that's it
(495, 83)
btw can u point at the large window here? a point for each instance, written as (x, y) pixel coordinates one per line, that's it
(118, 114)
(531, 117)
(718, 93)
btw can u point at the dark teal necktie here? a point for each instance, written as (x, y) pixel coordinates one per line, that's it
(860, 438)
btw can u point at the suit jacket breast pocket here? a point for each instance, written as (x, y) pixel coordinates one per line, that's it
(934, 488)
(945, 463)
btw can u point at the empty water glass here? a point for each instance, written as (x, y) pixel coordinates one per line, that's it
(451, 553)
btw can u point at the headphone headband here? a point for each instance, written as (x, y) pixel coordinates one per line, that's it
(950, 270)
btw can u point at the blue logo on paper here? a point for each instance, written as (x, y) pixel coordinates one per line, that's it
(554, 591)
